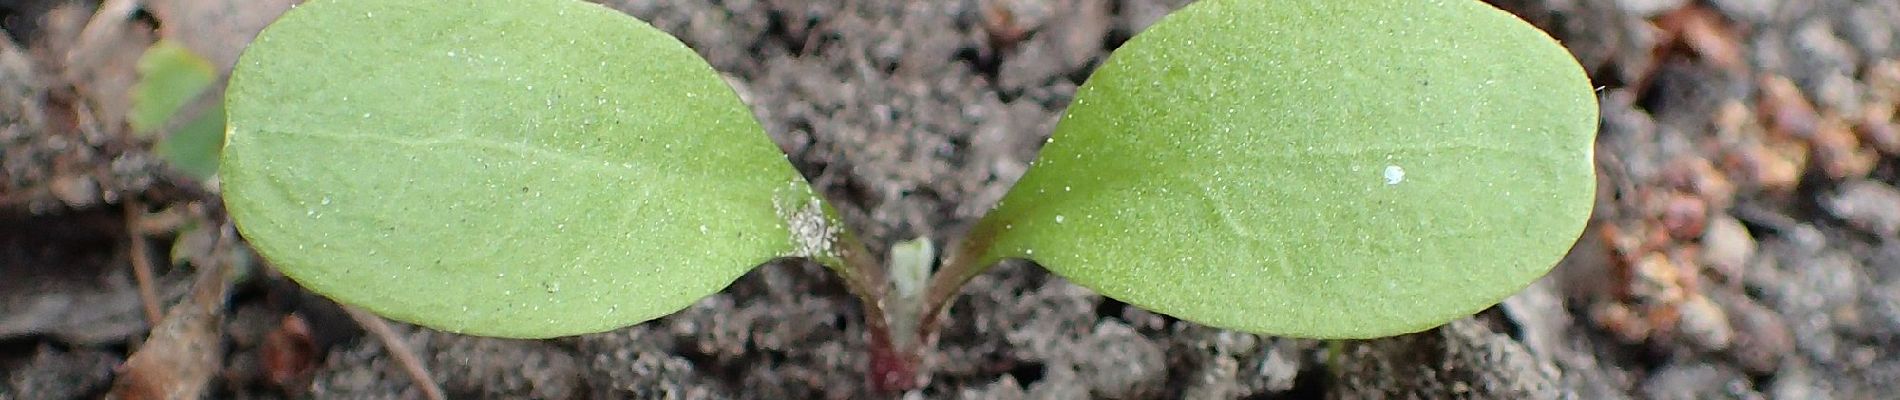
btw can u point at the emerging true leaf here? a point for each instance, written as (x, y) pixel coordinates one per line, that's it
(1329, 169)
(515, 168)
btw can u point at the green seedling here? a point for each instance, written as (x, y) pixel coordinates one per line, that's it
(170, 77)
(542, 168)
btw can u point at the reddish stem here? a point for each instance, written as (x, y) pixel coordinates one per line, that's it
(895, 363)
(892, 368)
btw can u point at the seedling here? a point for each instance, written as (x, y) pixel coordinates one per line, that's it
(171, 76)
(543, 168)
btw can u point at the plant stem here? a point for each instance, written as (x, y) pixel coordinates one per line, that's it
(961, 266)
(891, 299)
(893, 367)
(1335, 350)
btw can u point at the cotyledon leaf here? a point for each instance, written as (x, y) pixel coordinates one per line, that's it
(512, 168)
(1325, 169)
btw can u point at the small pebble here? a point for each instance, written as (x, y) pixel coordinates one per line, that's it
(1867, 205)
(1727, 247)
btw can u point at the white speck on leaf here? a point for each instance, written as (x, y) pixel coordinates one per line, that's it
(804, 216)
(1394, 174)
(1059, 219)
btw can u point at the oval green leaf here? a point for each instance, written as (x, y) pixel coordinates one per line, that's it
(511, 168)
(1325, 169)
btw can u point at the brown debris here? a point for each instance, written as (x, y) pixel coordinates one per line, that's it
(1876, 128)
(1658, 259)
(1784, 109)
(1620, 320)
(1775, 169)
(1838, 151)
(1684, 216)
(1699, 178)
(1744, 152)
(1657, 290)
(1760, 147)
(71, 152)
(1001, 24)
(1762, 337)
(289, 355)
(141, 256)
(97, 53)
(184, 351)
(1703, 32)
(1795, 124)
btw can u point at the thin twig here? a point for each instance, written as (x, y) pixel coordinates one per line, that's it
(142, 261)
(399, 350)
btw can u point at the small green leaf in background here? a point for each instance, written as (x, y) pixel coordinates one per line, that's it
(194, 149)
(1326, 169)
(512, 168)
(171, 76)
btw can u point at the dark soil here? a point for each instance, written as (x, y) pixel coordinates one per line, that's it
(1744, 245)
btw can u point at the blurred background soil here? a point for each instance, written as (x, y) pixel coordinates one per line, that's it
(1743, 246)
